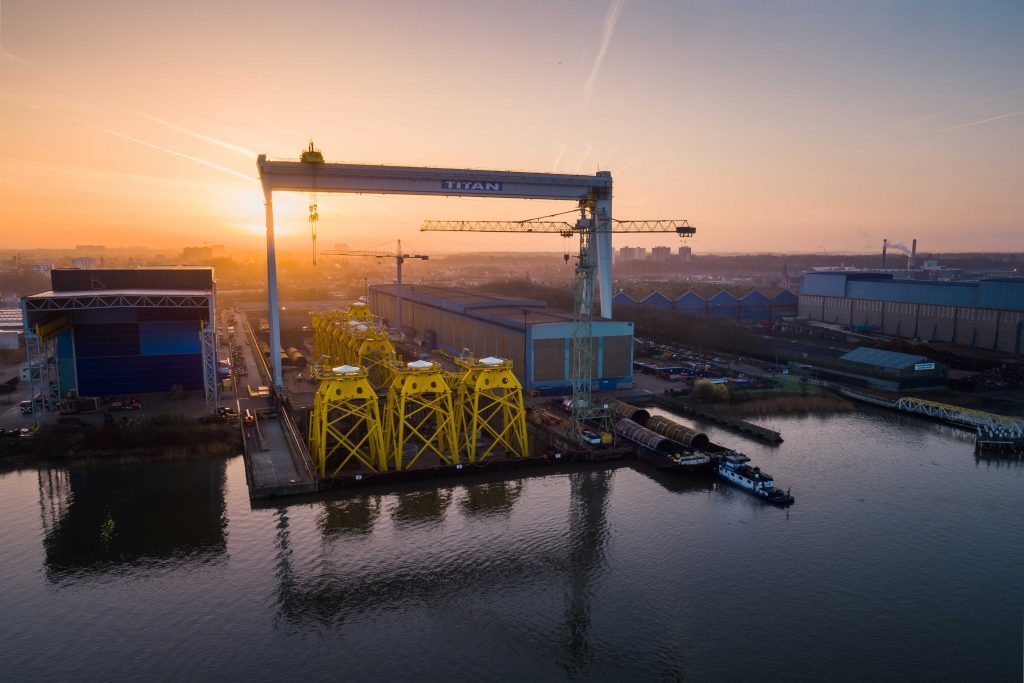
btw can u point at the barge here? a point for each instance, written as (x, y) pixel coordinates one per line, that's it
(733, 468)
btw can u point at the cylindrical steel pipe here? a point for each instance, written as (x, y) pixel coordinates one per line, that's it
(677, 432)
(627, 411)
(642, 435)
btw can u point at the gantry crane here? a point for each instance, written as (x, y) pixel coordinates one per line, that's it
(590, 223)
(399, 260)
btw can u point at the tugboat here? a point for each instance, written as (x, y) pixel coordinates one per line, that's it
(732, 467)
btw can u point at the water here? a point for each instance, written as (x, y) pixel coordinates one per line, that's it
(901, 560)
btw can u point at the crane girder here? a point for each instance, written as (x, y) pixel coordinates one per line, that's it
(556, 227)
(680, 227)
(375, 254)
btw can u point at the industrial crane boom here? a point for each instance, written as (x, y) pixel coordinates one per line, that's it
(590, 224)
(399, 260)
(680, 227)
(376, 254)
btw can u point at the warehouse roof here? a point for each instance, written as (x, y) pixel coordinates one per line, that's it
(502, 309)
(119, 292)
(885, 359)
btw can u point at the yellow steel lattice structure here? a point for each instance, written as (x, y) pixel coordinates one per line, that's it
(492, 417)
(419, 420)
(352, 337)
(345, 426)
(360, 311)
(373, 350)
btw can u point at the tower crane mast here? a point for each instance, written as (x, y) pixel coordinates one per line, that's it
(591, 222)
(400, 258)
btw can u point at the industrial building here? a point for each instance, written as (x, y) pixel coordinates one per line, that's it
(11, 327)
(535, 337)
(880, 369)
(122, 331)
(752, 307)
(985, 314)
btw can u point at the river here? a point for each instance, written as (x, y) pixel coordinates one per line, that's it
(901, 560)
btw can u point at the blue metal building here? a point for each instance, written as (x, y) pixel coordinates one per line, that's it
(985, 314)
(122, 331)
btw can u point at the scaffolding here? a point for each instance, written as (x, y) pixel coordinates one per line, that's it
(41, 352)
(208, 344)
(491, 414)
(345, 425)
(419, 419)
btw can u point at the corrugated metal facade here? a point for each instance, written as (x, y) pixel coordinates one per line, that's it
(987, 314)
(135, 357)
(536, 338)
(131, 330)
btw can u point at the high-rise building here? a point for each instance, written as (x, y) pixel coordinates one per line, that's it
(661, 254)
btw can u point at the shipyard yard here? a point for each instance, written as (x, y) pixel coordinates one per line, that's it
(588, 341)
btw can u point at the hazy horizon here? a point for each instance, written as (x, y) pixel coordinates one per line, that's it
(772, 127)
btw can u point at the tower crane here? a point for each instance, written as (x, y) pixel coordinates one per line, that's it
(400, 258)
(590, 223)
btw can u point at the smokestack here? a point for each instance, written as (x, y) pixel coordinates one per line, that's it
(885, 244)
(913, 253)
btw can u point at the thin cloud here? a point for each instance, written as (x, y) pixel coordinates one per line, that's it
(13, 57)
(978, 123)
(198, 135)
(136, 140)
(610, 19)
(963, 106)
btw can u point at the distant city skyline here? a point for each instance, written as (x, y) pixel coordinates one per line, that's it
(772, 127)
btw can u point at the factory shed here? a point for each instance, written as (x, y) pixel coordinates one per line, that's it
(535, 337)
(692, 302)
(986, 314)
(656, 299)
(888, 370)
(621, 298)
(723, 304)
(753, 306)
(104, 332)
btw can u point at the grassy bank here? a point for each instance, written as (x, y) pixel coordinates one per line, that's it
(160, 436)
(788, 397)
(783, 405)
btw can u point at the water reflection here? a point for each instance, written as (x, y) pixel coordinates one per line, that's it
(355, 516)
(588, 534)
(349, 575)
(422, 506)
(491, 498)
(98, 518)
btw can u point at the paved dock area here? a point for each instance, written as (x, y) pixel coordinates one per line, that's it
(275, 464)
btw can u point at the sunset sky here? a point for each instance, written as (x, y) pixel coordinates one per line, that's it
(771, 126)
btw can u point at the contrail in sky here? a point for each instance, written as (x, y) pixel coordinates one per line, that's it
(198, 135)
(3, 52)
(561, 151)
(963, 106)
(610, 20)
(978, 123)
(123, 136)
(590, 148)
(629, 163)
